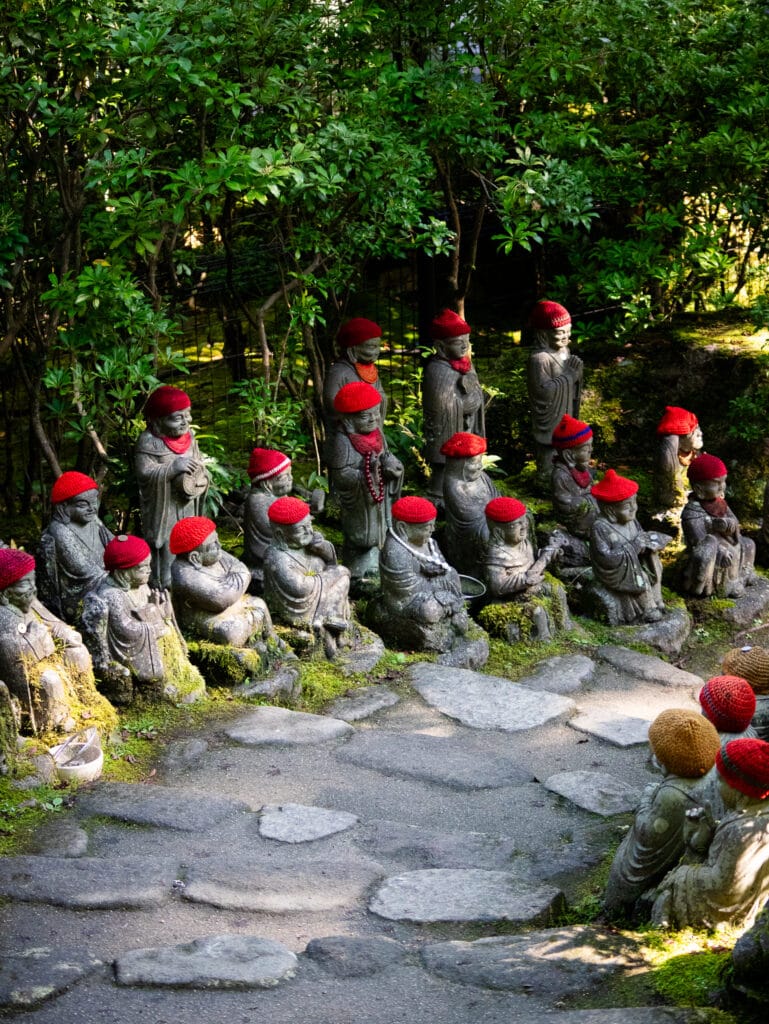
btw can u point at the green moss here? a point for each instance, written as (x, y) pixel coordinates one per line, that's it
(22, 812)
(224, 665)
(87, 706)
(690, 979)
(184, 683)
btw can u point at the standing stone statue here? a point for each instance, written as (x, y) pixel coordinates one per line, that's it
(43, 660)
(684, 745)
(452, 398)
(365, 477)
(360, 341)
(132, 633)
(554, 378)
(71, 551)
(173, 479)
(467, 490)
(679, 442)
(572, 479)
(719, 560)
(625, 560)
(729, 703)
(731, 884)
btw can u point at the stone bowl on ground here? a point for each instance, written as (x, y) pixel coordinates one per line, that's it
(80, 758)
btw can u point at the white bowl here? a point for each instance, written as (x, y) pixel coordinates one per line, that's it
(80, 760)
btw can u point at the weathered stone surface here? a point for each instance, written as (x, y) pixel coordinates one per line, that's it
(218, 961)
(60, 837)
(87, 883)
(298, 823)
(595, 791)
(753, 604)
(181, 754)
(364, 654)
(159, 805)
(29, 977)
(438, 894)
(426, 848)
(553, 963)
(750, 959)
(563, 674)
(637, 1015)
(349, 957)
(647, 667)
(284, 683)
(668, 635)
(467, 654)
(613, 726)
(487, 702)
(358, 704)
(455, 762)
(281, 727)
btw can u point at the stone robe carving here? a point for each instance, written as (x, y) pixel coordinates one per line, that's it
(720, 560)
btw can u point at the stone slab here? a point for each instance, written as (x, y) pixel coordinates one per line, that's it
(487, 702)
(29, 977)
(455, 762)
(213, 962)
(59, 837)
(285, 683)
(613, 726)
(668, 635)
(270, 726)
(88, 883)
(367, 649)
(438, 894)
(181, 754)
(563, 674)
(753, 604)
(298, 823)
(595, 791)
(647, 667)
(347, 956)
(359, 704)
(467, 654)
(424, 848)
(164, 806)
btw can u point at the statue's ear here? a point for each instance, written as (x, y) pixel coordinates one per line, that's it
(194, 558)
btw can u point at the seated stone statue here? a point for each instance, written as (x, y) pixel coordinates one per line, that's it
(43, 660)
(684, 745)
(625, 560)
(71, 551)
(452, 399)
(467, 490)
(132, 633)
(364, 476)
(572, 478)
(173, 479)
(731, 883)
(271, 478)
(752, 663)
(729, 703)
(719, 560)
(360, 341)
(304, 587)
(679, 440)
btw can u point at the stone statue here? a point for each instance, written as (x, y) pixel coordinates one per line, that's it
(173, 479)
(422, 606)
(71, 551)
(467, 490)
(571, 481)
(684, 745)
(452, 399)
(679, 442)
(271, 478)
(304, 587)
(752, 663)
(554, 378)
(43, 660)
(729, 703)
(360, 341)
(719, 560)
(132, 633)
(625, 560)
(750, 960)
(731, 883)
(364, 476)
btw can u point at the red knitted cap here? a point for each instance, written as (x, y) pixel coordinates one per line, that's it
(14, 565)
(505, 510)
(356, 396)
(546, 316)
(571, 433)
(448, 324)
(463, 446)
(729, 702)
(165, 400)
(70, 484)
(266, 463)
(125, 551)
(357, 331)
(288, 511)
(614, 487)
(677, 421)
(189, 534)
(413, 509)
(744, 763)
(706, 467)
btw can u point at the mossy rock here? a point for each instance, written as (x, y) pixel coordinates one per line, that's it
(224, 665)
(183, 682)
(530, 618)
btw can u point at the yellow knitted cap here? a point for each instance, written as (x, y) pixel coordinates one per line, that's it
(684, 742)
(752, 663)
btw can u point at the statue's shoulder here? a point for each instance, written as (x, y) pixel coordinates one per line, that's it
(148, 444)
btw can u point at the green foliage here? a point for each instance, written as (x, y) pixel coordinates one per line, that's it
(277, 422)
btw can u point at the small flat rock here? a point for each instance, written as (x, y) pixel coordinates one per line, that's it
(351, 957)
(29, 977)
(647, 667)
(362, 703)
(668, 635)
(560, 962)
(439, 894)
(367, 649)
(753, 604)
(60, 837)
(283, 683)
(563, 674)
(487, 702)
(451, 761)
(214, 962)
(298, 823)
(180, 754)
(613, 726)
(468, 654)
(88, 883)
(280, 727)
(426, 848)
(164, 806)
(594, 791)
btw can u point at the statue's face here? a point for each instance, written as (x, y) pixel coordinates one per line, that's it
(454, 348)
(298, 535)
(368, 352)
(365, 421)
(731, 797)
(582, 455)
(83, 508)
(281, 484)
(558, 337)
(210, 550)
(515, 532)
(176, 424)
(621, 511)
(417, 534)
(22, 593)
(473, 468)
(707, 490)
(691, 442)
(139, 574)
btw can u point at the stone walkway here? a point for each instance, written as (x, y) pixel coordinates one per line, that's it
(401, 858)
